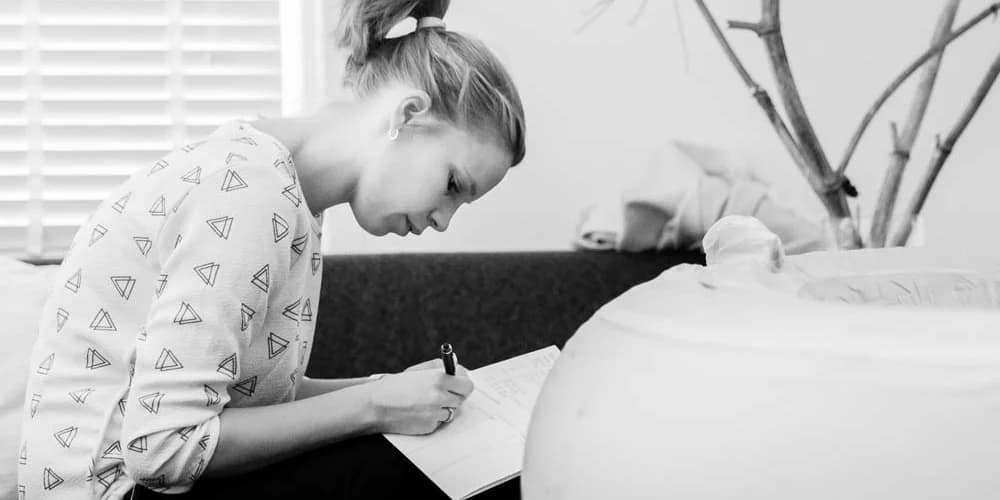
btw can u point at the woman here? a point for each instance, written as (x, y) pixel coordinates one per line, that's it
(174, 345)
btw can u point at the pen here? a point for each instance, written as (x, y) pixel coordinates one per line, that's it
(448, 356)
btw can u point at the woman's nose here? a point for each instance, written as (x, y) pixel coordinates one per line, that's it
(440, 218)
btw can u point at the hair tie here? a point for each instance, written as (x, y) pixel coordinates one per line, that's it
(430, 22)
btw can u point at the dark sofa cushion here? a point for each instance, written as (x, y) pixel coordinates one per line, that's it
(382, 313)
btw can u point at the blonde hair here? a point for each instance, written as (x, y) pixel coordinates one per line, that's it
(466, 83)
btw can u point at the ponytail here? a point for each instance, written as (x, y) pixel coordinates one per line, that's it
(467, 84)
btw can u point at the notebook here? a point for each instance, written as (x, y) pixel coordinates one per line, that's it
(484, 445)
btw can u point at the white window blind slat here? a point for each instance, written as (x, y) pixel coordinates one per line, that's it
(91, 90)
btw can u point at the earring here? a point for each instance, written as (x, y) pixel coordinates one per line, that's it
(393, 134)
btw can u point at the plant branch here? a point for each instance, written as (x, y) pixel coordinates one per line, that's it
(764, 100)
(941, 153)
(931, 52)
(770, 33)
(903, 144)
(831, 189)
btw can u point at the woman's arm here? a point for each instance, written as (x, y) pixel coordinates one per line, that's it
(251, 438)
(310, 387)
(411, 402)
(315, 386)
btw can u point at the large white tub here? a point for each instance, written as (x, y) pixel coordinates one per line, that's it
(871, 374)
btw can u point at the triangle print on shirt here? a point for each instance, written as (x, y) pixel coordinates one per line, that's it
(66, 436)
(113, 452)
(97, 233)
(122, 202)
(73, 283)
(143, 244)
(275, 345)
(307, 311)
(95, 360)
(246, 314)
(291, 192)
(233, 181)
(211, 396)
(246, 387)
(235, 157)
(228, 366)
(159, 165)
(292, 311)
(46, 364)
(50, 479)
(124, 285)
(262, 278)
(208, 272)
(81, 395)
(193, 176)
(159, 209)
(167, 361)
(102, 322)
(299, 244)
(221, 226)
(61, 316)
(280, 227)
(186, 315)
(151, 402)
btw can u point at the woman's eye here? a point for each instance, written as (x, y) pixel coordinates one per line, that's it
(452, 185)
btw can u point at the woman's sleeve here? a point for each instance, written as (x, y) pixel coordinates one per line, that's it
(221, 253)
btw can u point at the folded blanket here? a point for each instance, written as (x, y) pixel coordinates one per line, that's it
(687, 188)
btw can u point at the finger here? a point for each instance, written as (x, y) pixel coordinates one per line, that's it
(450, 399)
(458, 384)
(460, 370)
(427, 365)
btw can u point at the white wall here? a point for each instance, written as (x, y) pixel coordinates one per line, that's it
(598, 101)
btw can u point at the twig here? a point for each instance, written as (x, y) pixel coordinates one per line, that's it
(595, 11)
(853, 144)
(638, 13)
(764, 100)
(683, 38)
(941, 153)
(903, 144)
(832, 188)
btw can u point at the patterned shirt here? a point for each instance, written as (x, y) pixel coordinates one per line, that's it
(192, 288)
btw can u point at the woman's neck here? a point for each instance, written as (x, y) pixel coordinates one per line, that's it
(327, 149)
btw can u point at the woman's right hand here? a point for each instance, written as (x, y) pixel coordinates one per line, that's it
(414, 402)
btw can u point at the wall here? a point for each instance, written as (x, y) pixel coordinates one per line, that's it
(599, 100)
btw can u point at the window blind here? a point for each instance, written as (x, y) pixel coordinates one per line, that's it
(90, 90)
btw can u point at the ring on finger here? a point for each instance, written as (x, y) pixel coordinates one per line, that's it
(451, 415)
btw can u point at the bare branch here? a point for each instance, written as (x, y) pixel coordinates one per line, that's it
(595, 11)
(728, 49)
(764, 100)
(638, 12)
(942, 152)
(931, 52)
(902, 144)
(894, 135)
(744, 25)
(770, 33)
(830, 188)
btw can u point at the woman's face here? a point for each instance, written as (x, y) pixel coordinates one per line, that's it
(421, 178)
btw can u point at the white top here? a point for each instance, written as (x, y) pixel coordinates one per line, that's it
(193, 287)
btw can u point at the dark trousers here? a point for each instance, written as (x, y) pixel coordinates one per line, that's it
(360, 468)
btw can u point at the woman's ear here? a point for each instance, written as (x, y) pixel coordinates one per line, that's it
(409, 105)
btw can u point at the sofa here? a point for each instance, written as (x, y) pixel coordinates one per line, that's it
(382, 313)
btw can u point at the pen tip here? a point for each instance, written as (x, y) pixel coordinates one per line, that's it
(446, 348)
